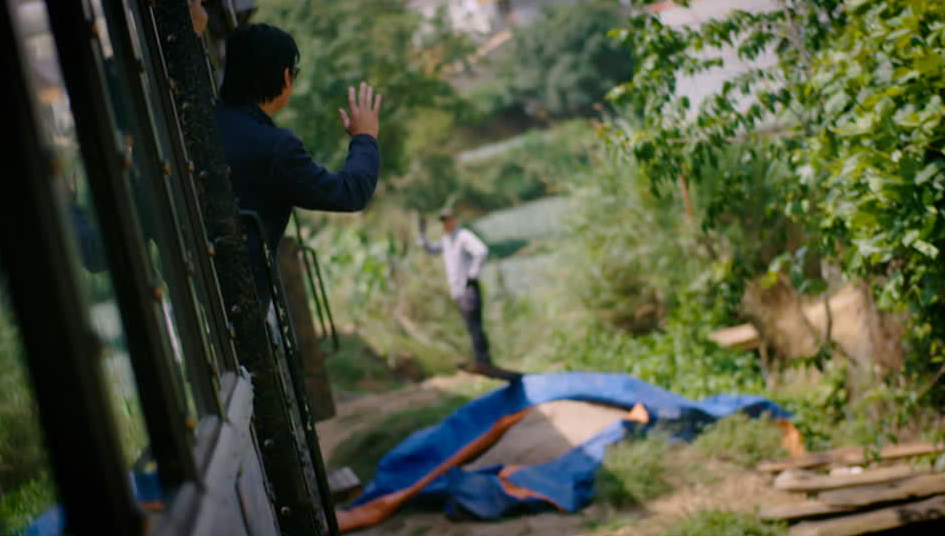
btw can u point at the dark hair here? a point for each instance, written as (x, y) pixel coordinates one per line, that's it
(257, 56)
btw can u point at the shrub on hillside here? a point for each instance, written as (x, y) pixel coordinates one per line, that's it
(563, 64)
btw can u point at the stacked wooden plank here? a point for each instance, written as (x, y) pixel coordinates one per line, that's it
(851, 493)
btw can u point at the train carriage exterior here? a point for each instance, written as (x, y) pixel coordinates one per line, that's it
(147, 390)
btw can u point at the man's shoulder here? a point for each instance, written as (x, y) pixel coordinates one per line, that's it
(246, 126)
(466, 231)
(464, 234)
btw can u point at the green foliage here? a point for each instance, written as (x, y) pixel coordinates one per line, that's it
(25, 487)
(741, 439)
(854, 100)
(362, 450)
(354, 368)
(21, 451)
(635, 250)
(404, 57)
(21, 506)
(679, 357)
(633, 472)
(722, 523)
(563, 64)
(523, 168)
(875, 166)
(818, 401)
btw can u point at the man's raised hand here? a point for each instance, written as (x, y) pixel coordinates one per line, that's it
(363, 109)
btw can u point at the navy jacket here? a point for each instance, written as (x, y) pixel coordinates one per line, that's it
(271, 173)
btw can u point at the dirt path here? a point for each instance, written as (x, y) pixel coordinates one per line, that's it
(724, 486)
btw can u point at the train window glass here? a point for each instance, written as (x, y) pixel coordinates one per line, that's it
(56, 123)
(26, 485)
(147, 207)
(138, 38)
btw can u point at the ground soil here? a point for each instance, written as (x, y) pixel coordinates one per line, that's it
(718, 485)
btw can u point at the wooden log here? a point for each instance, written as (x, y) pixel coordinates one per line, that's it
(911, 488)
(745, 336)
(801, 510)
(848, 456)
(874, 521)
(806, 481)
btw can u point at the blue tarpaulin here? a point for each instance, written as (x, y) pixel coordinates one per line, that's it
(427, 463)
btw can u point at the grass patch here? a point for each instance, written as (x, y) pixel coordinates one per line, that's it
(362, 450)
(634, 471)
(722, 523)
(355, 368)
(741, 439)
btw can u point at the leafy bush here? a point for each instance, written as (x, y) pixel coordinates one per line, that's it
(851, 109)
(522, 168)
(563, 64)
(679, 358)
(634, 251)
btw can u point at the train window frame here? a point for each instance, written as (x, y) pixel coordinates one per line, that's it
(151, 142)
(44, 291)
(211, 454)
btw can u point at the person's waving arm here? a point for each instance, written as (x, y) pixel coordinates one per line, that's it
(430, 247)
(303, 183)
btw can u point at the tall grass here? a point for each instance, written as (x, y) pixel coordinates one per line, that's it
(634, 472)
(742, 440)
(723, 523)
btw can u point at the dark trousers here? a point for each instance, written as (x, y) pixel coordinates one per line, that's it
(470, 304)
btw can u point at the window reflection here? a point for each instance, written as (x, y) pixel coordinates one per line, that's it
(160, 241)
(56, 123)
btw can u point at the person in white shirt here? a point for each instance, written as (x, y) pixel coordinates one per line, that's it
(463, 256)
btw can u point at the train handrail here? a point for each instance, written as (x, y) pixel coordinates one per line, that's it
(310, 259)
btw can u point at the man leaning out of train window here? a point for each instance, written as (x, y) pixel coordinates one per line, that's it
(270, 169)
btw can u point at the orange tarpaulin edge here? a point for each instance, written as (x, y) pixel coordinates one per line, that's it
(793, 441)
(375, 511)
